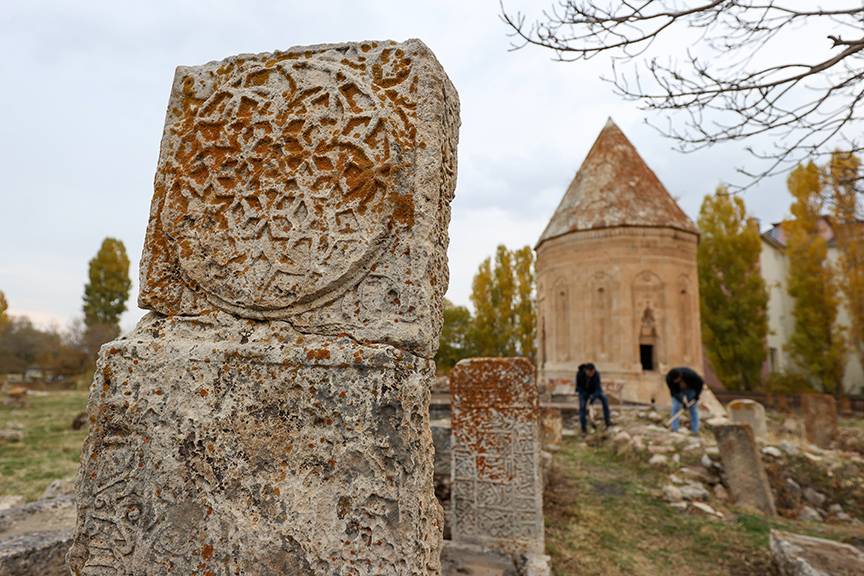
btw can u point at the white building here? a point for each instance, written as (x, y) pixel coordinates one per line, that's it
(775, 269)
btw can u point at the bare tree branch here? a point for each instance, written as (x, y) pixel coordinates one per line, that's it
(725, 87)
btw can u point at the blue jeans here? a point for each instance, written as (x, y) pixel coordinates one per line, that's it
(584, 400)
(690, 396)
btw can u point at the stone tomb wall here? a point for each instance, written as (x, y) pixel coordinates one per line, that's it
(496, 491)
(271, 414)
(601, 294)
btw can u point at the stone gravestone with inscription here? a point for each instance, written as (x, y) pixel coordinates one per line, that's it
(270, 414)
(749, 412)
(744, 471)
(820, 419)
(496, 491)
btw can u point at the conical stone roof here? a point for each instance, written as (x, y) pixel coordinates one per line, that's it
(615, 188)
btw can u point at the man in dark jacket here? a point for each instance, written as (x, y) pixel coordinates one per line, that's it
(685, 386)
(590, 389)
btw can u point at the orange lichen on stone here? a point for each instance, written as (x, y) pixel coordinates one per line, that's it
(485, 388)
(319, 354)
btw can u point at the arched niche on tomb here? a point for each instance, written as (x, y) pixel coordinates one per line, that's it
(601, 315)
(684, 305)
(649, 312)
(562, 319)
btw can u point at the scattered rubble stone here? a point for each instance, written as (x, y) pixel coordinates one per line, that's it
(694, 492)
(772, 451)
(810, 514)
(658, 460)
(797, 555)
(60, 487)
(672, 493)
(11, 436)
(34, 537)
(814, 497)
(703, 507)
(11, 501)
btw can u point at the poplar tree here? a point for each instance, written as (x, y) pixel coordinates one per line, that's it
(486, 338)
(502, 294)
(107, 290)
(733, 295)
(4, 306)
(816, 343)
(525, 311)
(842, 174)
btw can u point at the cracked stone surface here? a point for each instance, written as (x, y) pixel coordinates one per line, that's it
(270, 414)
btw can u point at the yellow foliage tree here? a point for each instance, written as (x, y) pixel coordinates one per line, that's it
(525, 311)
(502, 295)
(4, 306)
(105, 293)
(842, 175)
(734, 299)
(816, 343)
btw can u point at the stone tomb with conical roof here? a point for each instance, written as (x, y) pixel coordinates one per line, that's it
(616, 278)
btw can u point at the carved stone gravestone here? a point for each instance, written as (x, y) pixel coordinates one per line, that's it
(270, 415)
(496, 492)
(742, 463)
(820, 419)
(749, 412)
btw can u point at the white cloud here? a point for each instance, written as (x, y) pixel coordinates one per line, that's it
(88, 82)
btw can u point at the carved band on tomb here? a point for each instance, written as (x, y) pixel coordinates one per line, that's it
(270, 415)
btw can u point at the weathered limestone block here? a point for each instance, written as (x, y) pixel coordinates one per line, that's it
(797, 555)
(310, 185)
(751, 413)
(553, 426)
(742, 463)
(270, 415)
(34, 537)
(497, 493)
(820, 419)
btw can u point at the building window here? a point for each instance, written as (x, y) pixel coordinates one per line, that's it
(646, 356)
(772, 359)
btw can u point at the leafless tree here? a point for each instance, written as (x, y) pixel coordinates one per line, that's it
(735, 81)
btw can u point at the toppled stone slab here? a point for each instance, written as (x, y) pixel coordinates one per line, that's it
(820, 419)
(497, 492)
(797, 555)
(35, 537)
(270, 415)
(749, 412)
(743, 466)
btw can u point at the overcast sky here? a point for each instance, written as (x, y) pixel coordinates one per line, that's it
(86, 83)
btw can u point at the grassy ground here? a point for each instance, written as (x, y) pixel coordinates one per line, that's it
(604, 517)
(50, 448)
